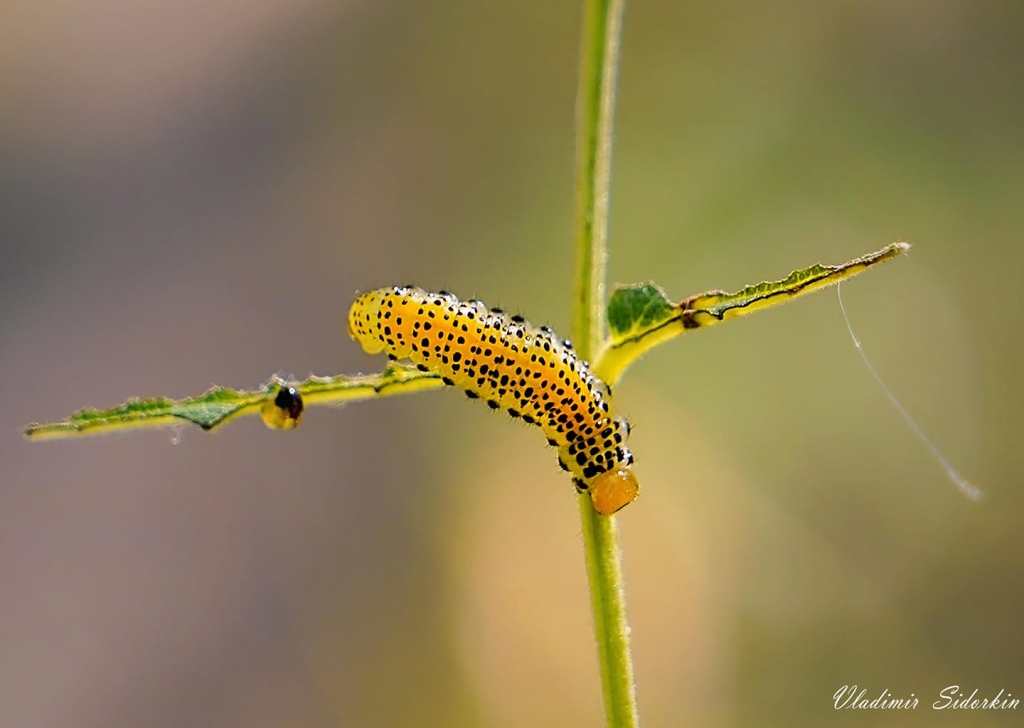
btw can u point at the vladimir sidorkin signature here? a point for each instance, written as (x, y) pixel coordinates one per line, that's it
(852, 697)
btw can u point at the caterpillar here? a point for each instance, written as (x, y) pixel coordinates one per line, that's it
(510, 364)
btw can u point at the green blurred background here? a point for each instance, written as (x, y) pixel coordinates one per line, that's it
(191, 193)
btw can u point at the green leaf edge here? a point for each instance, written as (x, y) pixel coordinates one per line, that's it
(221, 404)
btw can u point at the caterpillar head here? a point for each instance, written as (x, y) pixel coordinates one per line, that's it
(284, 410)
(613, 490)
(362, 322)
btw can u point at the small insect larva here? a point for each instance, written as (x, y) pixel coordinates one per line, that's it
(511, 365)
(284, 410)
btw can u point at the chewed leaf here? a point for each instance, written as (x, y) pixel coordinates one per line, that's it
(641, 316)
(207, 410)
(715, 306)
(220, 404)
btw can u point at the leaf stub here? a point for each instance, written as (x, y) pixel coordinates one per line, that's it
(637, 308)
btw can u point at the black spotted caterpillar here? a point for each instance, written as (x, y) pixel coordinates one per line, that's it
(511, 365)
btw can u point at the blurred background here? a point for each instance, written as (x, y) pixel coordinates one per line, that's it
(191, 193)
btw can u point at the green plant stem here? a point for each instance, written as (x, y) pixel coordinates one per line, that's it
(608, 603)
(595, 107)
(602, 26)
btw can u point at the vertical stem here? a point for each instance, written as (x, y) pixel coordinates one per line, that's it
(595, 106)
(608, 604)
(602, 28)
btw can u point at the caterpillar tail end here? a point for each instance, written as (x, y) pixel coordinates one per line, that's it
(362, 322)
(614, 490)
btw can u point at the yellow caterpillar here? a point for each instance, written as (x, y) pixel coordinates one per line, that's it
(513, 366)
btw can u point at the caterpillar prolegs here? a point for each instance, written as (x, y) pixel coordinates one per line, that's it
(511, 365)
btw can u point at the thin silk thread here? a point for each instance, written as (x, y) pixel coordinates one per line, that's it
(962, 484)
